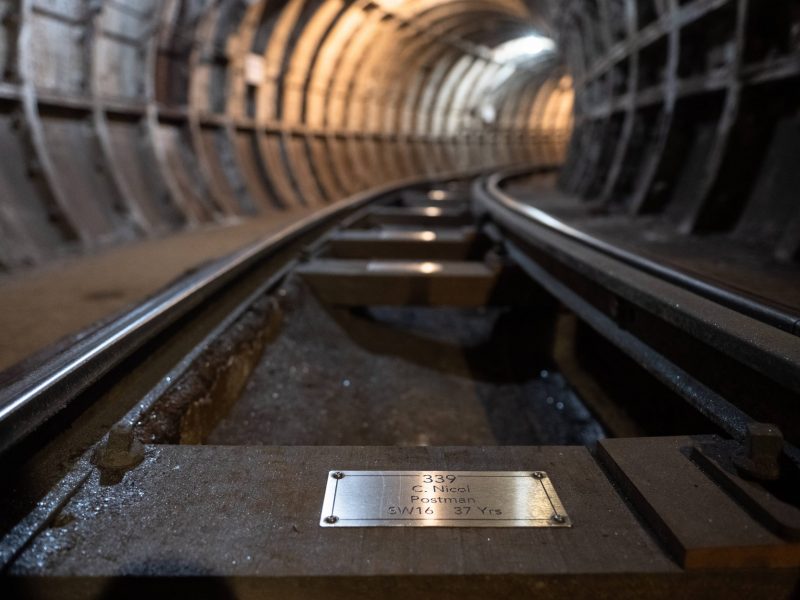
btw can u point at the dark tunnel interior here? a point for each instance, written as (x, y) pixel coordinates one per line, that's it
(243, 241)
(128, 120)
(131, 119)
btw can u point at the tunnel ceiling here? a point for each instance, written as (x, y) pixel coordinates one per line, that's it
(123, 119)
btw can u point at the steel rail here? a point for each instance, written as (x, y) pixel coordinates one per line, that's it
(716, 408)
(49, 387)
(774, 316)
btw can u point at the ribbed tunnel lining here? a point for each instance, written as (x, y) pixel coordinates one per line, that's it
(134, 118)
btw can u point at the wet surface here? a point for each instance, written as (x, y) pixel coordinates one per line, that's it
(409, 377)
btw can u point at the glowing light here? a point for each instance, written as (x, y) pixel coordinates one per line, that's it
(254, 69)
(523, 48)
(432, 211)
(398, 266)
(430, 267)
(488, 114)
(427, 236)
(389, 4)
(437, 195)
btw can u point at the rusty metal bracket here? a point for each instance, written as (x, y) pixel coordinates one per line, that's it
(119, 454)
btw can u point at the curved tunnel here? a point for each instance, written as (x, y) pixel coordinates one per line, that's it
(128, 119)
(245, 244)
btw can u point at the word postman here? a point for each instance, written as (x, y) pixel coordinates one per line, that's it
(441, 499)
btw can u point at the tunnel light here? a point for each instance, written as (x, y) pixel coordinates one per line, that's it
(488, 114)
(430, 267)
(523, 48)
(254, 69)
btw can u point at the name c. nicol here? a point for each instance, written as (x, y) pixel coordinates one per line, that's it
(443, 489)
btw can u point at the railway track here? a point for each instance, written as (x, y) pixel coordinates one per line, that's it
(439, 325)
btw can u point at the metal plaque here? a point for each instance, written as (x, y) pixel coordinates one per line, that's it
(441, 499)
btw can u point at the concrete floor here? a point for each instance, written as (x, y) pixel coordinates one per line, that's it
(43, 305)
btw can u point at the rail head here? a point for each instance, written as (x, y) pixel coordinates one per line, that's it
(47, 387)
(777, 317)
(736, 327)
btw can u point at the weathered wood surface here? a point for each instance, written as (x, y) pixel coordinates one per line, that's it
(775, 512)
(697, 520)
(418, 283)
(444, 244)
(422, 216)
(256, 510)
(440, 198)
(244, 522)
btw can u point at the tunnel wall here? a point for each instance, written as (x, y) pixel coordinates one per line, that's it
(687, 110)
(126, 119)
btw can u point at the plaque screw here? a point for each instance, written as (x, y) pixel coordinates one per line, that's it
(338, 475)
(332, 519)
(538, 475)
(558, 518)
